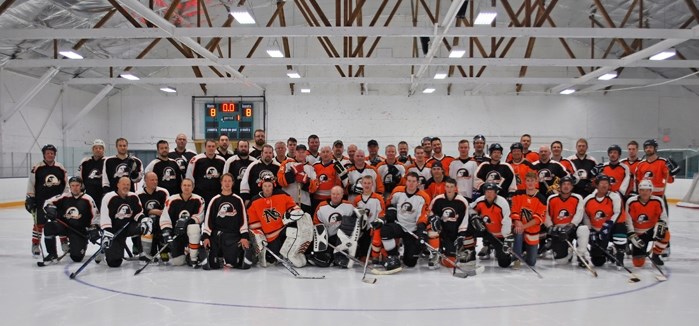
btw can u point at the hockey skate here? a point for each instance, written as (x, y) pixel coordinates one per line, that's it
(433, 261)
(655, 258)
(392, 266)
(484, 254)
(65, 245)
(36, 250)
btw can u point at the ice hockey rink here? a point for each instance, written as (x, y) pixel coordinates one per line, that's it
(166, 295)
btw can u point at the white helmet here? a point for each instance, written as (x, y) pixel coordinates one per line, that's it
(98, 142)
(645, 184)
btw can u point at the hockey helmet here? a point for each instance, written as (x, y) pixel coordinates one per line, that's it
(49, 147)
(650, 142)
(75, 179)
(479, 137)
(98, 142)
(491, 186)
(645, 184)
(494, 147)
(614, 147)
(602, 177)
(516, 145)
(567, 178)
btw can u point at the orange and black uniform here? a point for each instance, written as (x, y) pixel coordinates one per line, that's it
(265, 216)
(657, 172)
(526, 208)
(632, 165)
(521, 169)
(496, 217)
(642, 219)
(606, 219)
(619, 177)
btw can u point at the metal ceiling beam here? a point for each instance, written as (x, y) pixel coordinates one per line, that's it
(89, 106)
(331, 31)
(29, 95)
(5, 5)
(165, 25)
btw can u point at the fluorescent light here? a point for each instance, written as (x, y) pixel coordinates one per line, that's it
(669, 53)
(305, 89)
(440, 74)
(567, 91)
(129, 77)
(70, 54)
(428, 90)
(242, 16)
(293, 74)
(457, 52)
(168, 89)
(485, 17)
(608, 76)
(275, 52)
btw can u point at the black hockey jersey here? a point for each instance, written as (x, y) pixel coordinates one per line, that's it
(115, 168)
(177, 207)
(117, 211)
(169, 174)
(78, 212)
(154, 200)
(583, 166)
(549, 175)
(255, 173)
(454, 214)
(206, 174)
(255, 153)
(237, 166)
(46, 181)
(227, 214)
(90, 170)
(501, 174)
(182, 159)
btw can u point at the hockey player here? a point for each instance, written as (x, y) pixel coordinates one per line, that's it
(420, 167)
(557, 155)
(373, 149)
(619, 174)
(168, 173)
(90, 170)
(327, 176)
(280, 152)
(520, 165)
(528, 214)
(351, 151)
(435, 185)
(549, 171)
(69, 214)
(181, 225)
(298, 179)
(225, 229)
(404, 153)
(313, 147)
(632, 162)
(604, 216)
(492, 222)
(121, 209)
(353, 183)
(279, 225)
(426, 144)
(374, 207)
(264, 167)
(47, 179)
(205, 171)
(181, 154)
(449, 216)
(259, 138)
(121, 165)
(152, 198)
(223, 149)
(336, 219)
(237, 164)
(291, 147)
(479, 149)
(647, 221)
(338, 151)
(390, 170)
(463, 170)
(584, 165)
(529, 155)
(439, 156)
(495, 171)
(564, 215)
(409, 207)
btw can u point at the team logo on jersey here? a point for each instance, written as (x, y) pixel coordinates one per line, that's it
(271, 214)
(51, 181)
(334, 219)
(612, 180)
(545, 175)
(487, 219)
(494, 177)
(184, 215)
(463, 173)
(123, 212)
(323, 178)
(169, 174)
(648, 175)
(226, 209)
(449, 215)
(182, 163)
(422, 181)
(120, 171)
(95, 174)
(211, 173)
(563, 214)
(241, 172)
(642, 218)
(72, 213)
(151, 204)
(581, 173)
(388, 179)
(406, 208)
(265, 174)
(599, 215)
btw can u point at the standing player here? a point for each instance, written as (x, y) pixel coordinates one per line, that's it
(496, 172)
(647, 221)
(479, 149)
(436, 185)
(450, 213)
(353, 183)
(584, 165)
(526, 141)
(313, 147)
(298, 179)
(338, 151)
(632, 162)
(280, 152)
(528, 213)
(420, 167)
(374, 207)
(463, 170)
(520, 165)
(351, 150)
(564, 215)
(223, 149)
(181, 224)
(152, 198)
(426, 144)
(327, 176)
(549, 171)
(120, 208)
(391, 170)
(90, 170)
(76, 211)
(205, 171)
(557, 155)
(259, 138)
(225, 230)
(264, 167)
(237, 164)
(168, 173)
(121, 165)
(439, 156)
(492, 221)
(606, 220)
(181, 154)
(619, 174)
(374, 158)
(404, 153)
(47, 179)
(291, 147)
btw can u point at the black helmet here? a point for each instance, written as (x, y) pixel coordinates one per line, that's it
(491, 186)
(567, 178)
(49, 147)
(602, 177)
(614, 147)
(650, 142)
(516, 145)
(479, 137)
(494, 147)
(75, 179)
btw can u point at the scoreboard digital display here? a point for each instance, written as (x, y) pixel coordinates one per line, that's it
(234, 119)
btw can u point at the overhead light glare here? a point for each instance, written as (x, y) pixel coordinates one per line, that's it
(129, 77)
(608, 76)
(567, 91)
(440, 74)
(669, 53)
(242, 16)
(70, 54)
(168, 89)
(275, 52)
(457, 52)
(428, 90)
(305, 89)
(293, 74)
(486, 17)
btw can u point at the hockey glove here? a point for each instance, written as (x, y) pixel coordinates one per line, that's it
(606, 231)
(391, 215)
(596, 170)
(477, 223)
(340, 170)
(107, 238)
(526, 215)
(93, 234)
(436, 223)
(146, 225)
(51, 212)
(422, 233)
(636, 241)
(181, 225)
(30, 204)
(377, 224)
(357, 189)
(660, 230)
(508, 244)
(672, 166)
(167, 235)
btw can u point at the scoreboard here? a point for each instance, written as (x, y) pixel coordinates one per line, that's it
(234, 119)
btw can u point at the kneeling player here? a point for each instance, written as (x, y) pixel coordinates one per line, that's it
(337, 222)
(647, 221)
(185, 211)
(279, 225)
(69, 214)
(120, 210)
(492, 222)
(450, 215)
(604, 216)
(528, 209)
(564, 215)
(375, 209)
(226, 229)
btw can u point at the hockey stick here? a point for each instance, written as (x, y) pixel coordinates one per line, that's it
(662, 277)
(359, 262)
(157, 254)
(582, 259)
(518, 256)
(99, 251)
(288, 265)
(56, 261)
(368, 280)
(463, 274)
(633, 278)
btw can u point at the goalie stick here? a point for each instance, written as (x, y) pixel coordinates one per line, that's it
(289, 266)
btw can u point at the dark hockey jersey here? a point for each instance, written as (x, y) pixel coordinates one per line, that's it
(454, 214)
(117, 211)
(501, 174)
(227, 214)
(115, 168)
(237, 166)
(256, 172)
(583, 166)
(78, 212)
(206, 174)
(177, 207)
(154, 200)
(182, 158)
(549, 175)
(169, 174)
(46, 181)
(90, 170)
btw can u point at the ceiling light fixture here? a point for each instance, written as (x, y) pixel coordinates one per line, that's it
(129, 77)
(293, 74)
(242, 16)
(486, 15)
(457, 52)
(428, 90)
(609, 76)
(669, 53)
(168, 89)
(305, 89)
(567, 91)
(441, 73)
(274, 51)
(70, 54)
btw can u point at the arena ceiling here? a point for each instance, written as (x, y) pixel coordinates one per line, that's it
(542, 46)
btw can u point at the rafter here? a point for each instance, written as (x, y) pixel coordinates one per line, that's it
(5, 5)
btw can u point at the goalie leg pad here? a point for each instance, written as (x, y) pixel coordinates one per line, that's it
(258, 240)
(194, 235)
(320, 238)
(297, 241)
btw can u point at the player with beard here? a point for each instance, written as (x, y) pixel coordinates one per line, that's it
(223, 149)
(420, 167)
(181, 225)
(584, 165)
(181, 154)
(426, 144)
(353, 182)
(264, 167)
(373, 149)
(121, 165)
(119, 208)
(463, 169)
(494, 171)
(631, 161)
(619, 174)
(298, 179)
(338, 153)
(166, 169)
(152, 198)
(557, 155)
(526, 141)
(439, 156)
(404, 153)
(390, 170)
(519, 164)
(90, 170)
(259, 138)
(327, 176)
(280, 152)
(237, 165)
(549, 171)
(291, 147)
(205, 171)
(313, 147)
(479, 149)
